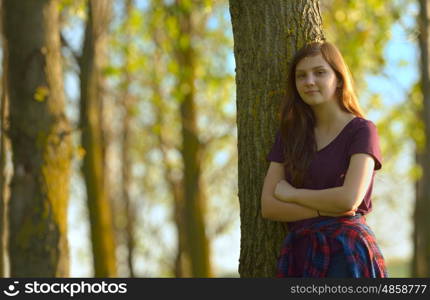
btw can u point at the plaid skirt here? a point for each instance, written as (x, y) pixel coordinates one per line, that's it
(357, 244)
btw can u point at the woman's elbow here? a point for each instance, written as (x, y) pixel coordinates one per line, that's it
(265, 208)
(353, 201)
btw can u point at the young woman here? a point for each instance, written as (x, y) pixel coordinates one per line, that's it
(321, 172)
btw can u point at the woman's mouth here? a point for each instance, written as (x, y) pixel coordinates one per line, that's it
(311, 92)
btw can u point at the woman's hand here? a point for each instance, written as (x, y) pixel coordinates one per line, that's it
(350, 213)
(284, 191)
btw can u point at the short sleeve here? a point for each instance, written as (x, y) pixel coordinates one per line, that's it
(277, 152)
(366, 140)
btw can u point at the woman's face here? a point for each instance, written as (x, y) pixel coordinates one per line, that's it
(316, 81)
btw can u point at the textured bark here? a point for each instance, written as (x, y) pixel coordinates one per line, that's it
(266, 35)
(40, 138)
(421, 261)
(197, 244)
(92, 62)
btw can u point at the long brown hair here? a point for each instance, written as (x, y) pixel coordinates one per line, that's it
(297, 117)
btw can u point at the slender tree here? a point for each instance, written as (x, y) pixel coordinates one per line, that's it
(128, 103)
(40, 139)
(266, 35)
(196, 242)
(91, 66)
(421, 260)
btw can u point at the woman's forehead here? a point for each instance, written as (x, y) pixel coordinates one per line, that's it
(311, 62)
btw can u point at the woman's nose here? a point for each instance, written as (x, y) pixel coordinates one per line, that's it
(309, 80)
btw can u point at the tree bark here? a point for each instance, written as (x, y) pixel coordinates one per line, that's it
(40, 139)
(266, 36)
(421, 261)
(92, 62)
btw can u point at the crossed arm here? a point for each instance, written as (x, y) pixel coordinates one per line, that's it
(280, 201)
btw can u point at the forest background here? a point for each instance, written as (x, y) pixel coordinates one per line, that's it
(164, 65)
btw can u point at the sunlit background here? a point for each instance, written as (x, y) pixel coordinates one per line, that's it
(393, 190)
(140, 45)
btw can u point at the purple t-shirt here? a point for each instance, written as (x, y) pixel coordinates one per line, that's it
(330, 164)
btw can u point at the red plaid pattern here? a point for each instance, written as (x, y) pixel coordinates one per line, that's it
(357, 242)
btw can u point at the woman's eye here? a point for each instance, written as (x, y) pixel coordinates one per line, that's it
(320, 72)
(300, 76)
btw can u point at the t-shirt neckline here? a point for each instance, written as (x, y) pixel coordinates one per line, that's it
(337, 136)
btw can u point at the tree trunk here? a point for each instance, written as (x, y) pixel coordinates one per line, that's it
(126, 168)
(92, 62)
(419, 263)
(128, 103)
(182, 264)
(40, 138)
(266, 35)
(4, 151)
(421, 267)
(197, 243)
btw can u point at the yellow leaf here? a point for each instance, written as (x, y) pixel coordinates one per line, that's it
(80, 151)
(41, 93)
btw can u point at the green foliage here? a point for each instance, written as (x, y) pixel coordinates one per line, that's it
(71, 9)
(361, 30)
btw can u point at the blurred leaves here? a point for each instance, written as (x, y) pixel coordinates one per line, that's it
(361, 30)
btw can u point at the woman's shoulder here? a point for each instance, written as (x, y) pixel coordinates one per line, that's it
(359, 122)
(363, 128)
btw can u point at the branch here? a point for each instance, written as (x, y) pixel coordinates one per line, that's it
(66, 44)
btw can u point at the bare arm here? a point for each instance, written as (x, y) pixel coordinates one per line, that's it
(273, 209)
(344, 198)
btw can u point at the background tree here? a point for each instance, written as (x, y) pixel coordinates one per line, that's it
(421, 259)
(158, 13)
(40, 139)
(266, 35)
(91, 65)
(128, 103)
(196, 243)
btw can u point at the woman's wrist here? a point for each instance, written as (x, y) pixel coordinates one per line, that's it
(290, 197)
(285, 192)
(294, 196)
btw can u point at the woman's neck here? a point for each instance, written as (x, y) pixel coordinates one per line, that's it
(329, 116)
